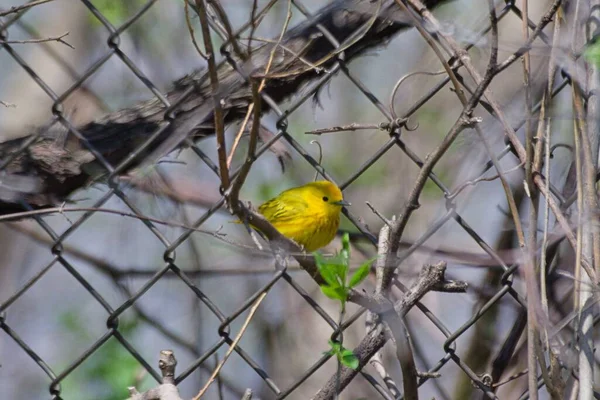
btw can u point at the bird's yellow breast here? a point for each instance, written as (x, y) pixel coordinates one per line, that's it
(311, 231)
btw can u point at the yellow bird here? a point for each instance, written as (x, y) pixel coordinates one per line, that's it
(309, 214)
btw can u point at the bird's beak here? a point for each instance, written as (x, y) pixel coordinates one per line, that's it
(341, 203)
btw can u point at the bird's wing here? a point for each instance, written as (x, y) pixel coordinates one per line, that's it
(275, 210)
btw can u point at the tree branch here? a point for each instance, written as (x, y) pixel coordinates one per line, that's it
(167, 390)
(431, 277)
(192, 113)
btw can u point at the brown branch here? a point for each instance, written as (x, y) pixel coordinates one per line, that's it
(26, 6)
(58, 39)
(236, 340)
(354, 38)
(552, 378)
(216, 5)
(117, 136)
(247, 395)
(214, 85)
(6, 104)
(167, 390)
(255, 103)
(343, 128)
(188, 22)
(384, 275)
(534, 354)
(430, 278)
(297, 55)
(509, 132)
(384, 270)
(489, 74)
(234, 192)
(465, 120)
(586, 198)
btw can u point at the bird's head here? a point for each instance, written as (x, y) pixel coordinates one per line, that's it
(328, 193)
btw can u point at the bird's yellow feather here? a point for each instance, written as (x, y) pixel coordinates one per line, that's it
(308, 214)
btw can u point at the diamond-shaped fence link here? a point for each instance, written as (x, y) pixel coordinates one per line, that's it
(337, 49)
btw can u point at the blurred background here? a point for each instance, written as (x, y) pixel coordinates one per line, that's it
(59, 318)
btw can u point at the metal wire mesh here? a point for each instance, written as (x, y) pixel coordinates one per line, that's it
(111, 50)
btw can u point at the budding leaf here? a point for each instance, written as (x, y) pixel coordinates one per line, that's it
(360, 274)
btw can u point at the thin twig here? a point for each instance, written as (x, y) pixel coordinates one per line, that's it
(58, 39)
(238, 137)
(397, 86)
(253, 26)
(188, 22)
(165, 391)
(430, 278)
(7, 105)
(384, 275)
(380, 215)
(474, 182)
(297, 55)
(214, 85)
(508, 130)
(26, 6)
(531, 266)
(250, 157)
(590, 144)
(373, 327)
(248, 392)
(63, 210)
(587, 205)
(349, 42)
(552, 377)
(227, 25)
(233, 345)
(351, 127)
(544, 134)
(262, 83)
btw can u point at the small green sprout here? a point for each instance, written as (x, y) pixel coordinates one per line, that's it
(344, 355)
(334, 272)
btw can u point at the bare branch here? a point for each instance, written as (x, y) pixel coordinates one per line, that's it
(167, 390)
(259, 89)
(233, 345)
(7, 105)
(188, 22)
(23, 7)
(247, 395)
(58, 39)
(351, 127)
(214, 85)
(234, 191)
(193, 103)
(430, 277)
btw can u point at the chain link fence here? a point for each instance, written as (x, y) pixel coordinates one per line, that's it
(293, 68)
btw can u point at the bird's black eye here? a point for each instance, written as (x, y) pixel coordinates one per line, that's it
(325, 198)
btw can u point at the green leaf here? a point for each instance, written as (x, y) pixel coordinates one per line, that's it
(331, 269)
(335, 293)
(340, 272)
(360, 274)
(319, 259)
(336, 347)
(346, 242)
(349, 359)
(345, 246)
(329, 275)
